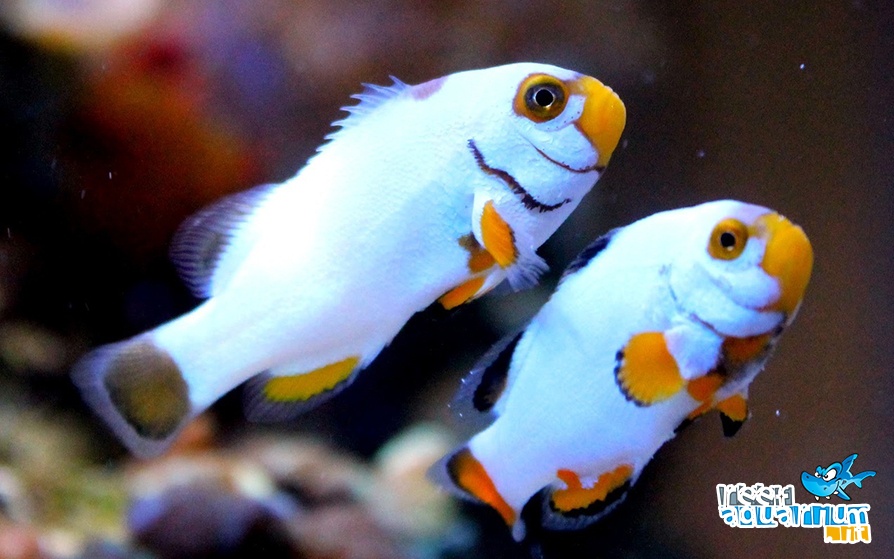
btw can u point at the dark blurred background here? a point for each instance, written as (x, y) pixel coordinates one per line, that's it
(119, 118)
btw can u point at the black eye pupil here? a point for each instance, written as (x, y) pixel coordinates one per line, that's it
(727, 240)
(544, 97)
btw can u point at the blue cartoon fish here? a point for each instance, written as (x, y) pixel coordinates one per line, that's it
(826, 482)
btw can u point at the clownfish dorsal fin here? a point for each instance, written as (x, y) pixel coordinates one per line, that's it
(371, 98)
(474, 404)
(203, 249)
(588, 254)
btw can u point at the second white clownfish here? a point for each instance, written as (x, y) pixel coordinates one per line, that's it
(431, 192)
(652, 326)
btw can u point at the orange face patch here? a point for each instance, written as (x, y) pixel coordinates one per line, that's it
(575, 496)
(497, 235)
(299, 388)
(470, 476)
(646, 372)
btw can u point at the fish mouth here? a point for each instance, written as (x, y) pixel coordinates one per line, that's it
(603, 118)
(523, 195)
(595, 168)
(788, 257)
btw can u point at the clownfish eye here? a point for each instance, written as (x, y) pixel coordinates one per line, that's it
(541, 98)
(728, 239)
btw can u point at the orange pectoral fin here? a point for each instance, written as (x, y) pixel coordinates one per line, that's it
(469, 475)
(646, 372)
(497, 236)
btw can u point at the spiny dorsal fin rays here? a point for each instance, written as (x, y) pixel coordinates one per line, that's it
(371, 98)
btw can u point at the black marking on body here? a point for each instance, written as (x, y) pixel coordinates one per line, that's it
(494, 377)
(588, 254)
(526, 199)
(619, 362)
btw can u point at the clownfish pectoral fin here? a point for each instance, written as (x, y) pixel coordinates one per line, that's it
(575, 506)
(645, 371)
(204, 250)
(733, 413)
(277, 395)
(139, 391)
(482, 387)
(464, 476)
(523, 267)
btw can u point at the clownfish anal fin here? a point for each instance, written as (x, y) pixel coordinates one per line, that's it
(645, 371)
(278, 396)
(204, 240)
(576, 506)
(462, 474)
(482, 387)
(733, 413)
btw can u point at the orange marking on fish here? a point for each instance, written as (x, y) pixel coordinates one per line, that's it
(741, 350)
(470, 476)
(647, 373)
(703, 388)
(575, 496)
(298, 388)
(462, 293)
(735, 407)
(479, 259)
(497, 235)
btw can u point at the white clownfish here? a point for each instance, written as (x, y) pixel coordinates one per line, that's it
(432, 192)
(651, 326)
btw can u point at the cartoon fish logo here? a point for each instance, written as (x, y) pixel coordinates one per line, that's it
(428, 193)
(825, 482)
(654, 325)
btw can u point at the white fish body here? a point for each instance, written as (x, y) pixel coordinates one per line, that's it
(431, 192)
(647, 330)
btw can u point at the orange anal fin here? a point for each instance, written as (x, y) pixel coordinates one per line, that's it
(498, 237)
(646, 372)
(733, 413)
(469, 475)
(587, 500)
(462, 293)
(303, 387)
